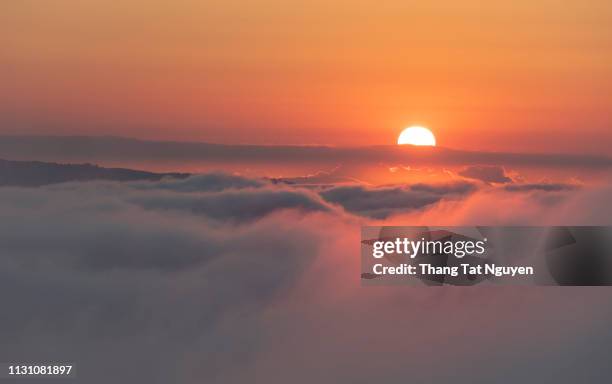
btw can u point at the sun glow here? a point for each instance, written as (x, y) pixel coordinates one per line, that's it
(417, 136)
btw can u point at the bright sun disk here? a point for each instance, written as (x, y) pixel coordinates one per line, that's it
(417, 136)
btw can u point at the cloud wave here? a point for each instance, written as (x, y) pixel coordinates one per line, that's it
(381, 202)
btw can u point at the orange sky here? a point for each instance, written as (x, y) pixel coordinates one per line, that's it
(514, 76)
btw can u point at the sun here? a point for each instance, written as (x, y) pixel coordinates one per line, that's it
(417, 136)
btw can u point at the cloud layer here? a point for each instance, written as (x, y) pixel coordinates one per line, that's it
(222, 279)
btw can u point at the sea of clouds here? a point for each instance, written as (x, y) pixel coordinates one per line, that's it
(219, 278)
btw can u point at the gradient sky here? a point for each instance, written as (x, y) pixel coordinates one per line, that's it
(513, 76)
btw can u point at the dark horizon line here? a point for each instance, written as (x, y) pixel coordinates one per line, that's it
(330, 146)
(118, 148)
